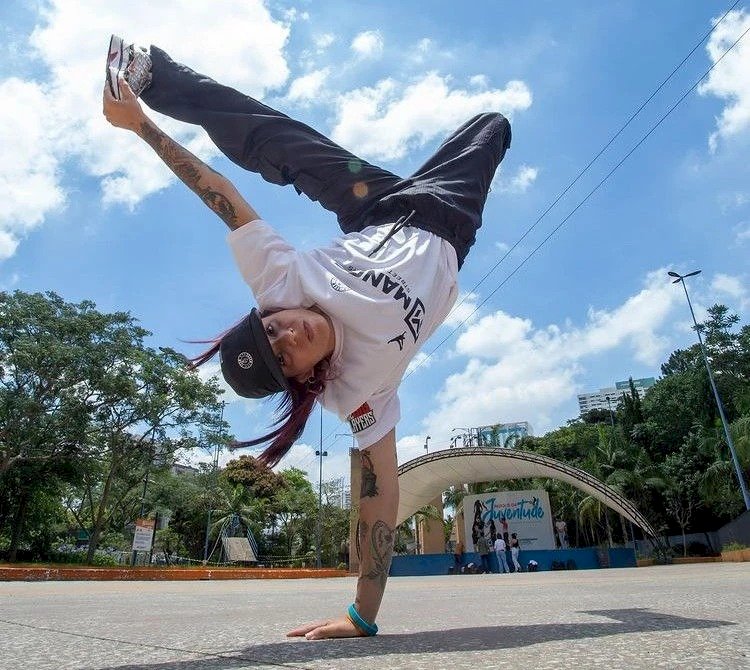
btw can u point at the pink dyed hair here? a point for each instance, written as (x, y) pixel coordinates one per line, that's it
(293, 409)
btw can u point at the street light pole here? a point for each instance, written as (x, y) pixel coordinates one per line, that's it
(463, 436)
(427, 444)
(611, 416)
(680, 279)
(320, 453)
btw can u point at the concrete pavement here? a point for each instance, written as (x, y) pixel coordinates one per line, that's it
(692, 616)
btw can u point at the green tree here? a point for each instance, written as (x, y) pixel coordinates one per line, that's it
(719, 485)
(259, 480)
(683, 473)
(237, 508)
(52, 356)
(169, 542)
(295, 508)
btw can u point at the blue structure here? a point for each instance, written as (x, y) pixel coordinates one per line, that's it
(441, 564)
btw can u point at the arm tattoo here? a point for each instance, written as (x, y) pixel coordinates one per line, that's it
(381, 547)
(187, 167)
(369, 480)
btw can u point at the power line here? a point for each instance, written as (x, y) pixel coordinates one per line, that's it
(580, 204)
(463, 322)
(593, 160)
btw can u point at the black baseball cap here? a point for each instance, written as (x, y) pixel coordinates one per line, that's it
(248, 363)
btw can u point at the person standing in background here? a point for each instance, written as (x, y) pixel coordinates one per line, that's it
(458, 553)
(483, 548)
(514, 551)
(502, 561)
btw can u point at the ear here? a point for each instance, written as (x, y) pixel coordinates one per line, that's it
(302, 378)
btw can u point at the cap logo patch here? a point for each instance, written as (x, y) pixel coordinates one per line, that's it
(245, 360)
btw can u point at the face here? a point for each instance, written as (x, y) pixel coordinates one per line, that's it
(300, 338)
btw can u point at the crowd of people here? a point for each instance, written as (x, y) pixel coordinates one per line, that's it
(500, 543)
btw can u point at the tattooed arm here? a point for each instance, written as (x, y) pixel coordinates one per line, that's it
(216, 191)
(378, 507)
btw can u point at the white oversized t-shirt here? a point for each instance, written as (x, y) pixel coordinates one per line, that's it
(383, 308)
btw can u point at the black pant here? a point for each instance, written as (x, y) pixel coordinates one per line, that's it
(447, 194)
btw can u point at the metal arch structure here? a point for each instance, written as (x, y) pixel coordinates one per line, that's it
(421, 480)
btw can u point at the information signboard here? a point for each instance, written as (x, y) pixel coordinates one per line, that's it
(144, 534)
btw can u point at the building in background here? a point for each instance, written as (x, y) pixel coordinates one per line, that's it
(180, 469)
(499, 435)
(608, 398)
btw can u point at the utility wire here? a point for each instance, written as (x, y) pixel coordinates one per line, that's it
(592, 161)
(580, 204)
(578, 176)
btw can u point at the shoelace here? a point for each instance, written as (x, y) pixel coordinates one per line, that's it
(403, 222)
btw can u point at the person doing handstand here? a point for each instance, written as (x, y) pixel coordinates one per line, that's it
(337, 325)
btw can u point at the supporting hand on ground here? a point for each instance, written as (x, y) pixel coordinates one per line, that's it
(328, 628)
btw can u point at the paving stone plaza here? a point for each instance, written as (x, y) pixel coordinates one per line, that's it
(688, 616)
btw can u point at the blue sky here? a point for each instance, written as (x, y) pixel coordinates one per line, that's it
(87, 211)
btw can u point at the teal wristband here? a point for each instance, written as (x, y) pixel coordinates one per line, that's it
(368, 629)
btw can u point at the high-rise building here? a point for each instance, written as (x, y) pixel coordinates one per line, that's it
(608, 398)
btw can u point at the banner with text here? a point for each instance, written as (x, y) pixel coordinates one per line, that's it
(144, 534)
(526, 513)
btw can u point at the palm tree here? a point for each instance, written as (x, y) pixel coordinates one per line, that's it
(236, 507)
(719, 482)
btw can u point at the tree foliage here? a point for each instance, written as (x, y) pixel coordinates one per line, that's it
(666, 451)
(92, 420)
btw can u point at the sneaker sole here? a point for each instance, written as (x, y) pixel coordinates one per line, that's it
(115, 57)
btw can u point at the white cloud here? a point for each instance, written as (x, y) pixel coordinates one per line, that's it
(336, 464)
(368, 44)
(323, 41)
(463, 310)
(386, 120)
(731, 286)
(46, 122)
(212, 370)
(421, 361)
(8, 245)
(527, 373)
(733, 200)
(518, 183)
(308, 87)
(11, 282)
(742, 232)
(729, 80)
(28, 163)
(502, 247)
(410, 447)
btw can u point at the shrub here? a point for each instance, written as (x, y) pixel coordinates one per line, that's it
(734, 546)
(697, 549)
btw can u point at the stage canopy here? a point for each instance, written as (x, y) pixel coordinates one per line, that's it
(420, 481)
